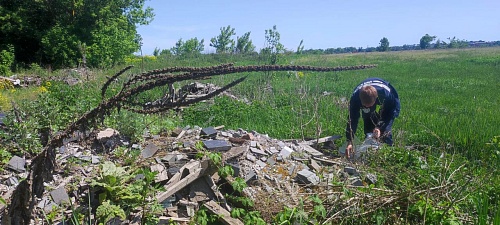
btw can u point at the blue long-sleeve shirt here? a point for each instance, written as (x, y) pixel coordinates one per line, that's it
(388, 100)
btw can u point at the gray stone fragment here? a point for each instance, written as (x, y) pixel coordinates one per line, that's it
(251, 157)
(314, 165)
(273, 150)
(286, 152)
(253, 144)
(357, 182)
(12, 181)
(136, 146)
(251, 175)
(371, 178)
(176, 132)
(271, 161)
(96, 159)
(217, 145)
(208, 132)
(305, 176)
(62, 149)
(225, 134)
(17, 163)
(350, 170)
(149, 150)
(86, 158)
(257, 151)
(59, 195)
(261, 164)
(236, 169)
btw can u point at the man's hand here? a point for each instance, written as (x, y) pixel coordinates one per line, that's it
(376, 133)
(349, 151)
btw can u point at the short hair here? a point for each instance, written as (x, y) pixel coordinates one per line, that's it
(368, 95)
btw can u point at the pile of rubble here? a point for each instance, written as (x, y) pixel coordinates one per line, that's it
(278, 173)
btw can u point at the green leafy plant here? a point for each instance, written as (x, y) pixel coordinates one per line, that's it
(108, 211)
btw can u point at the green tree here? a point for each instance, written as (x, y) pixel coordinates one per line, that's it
(244, 44)
(440, 44)
(273, 46)
(457, 43)
(61, 32)
(6, 60)
(223, 43)
(190, 47)
(383, 45)
(426, 40)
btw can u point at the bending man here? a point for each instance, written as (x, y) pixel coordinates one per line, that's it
(379, 103)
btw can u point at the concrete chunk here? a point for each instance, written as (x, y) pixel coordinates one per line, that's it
(314, 165)
(286, 152)
(258, 151)
(149, 150)
(59, 195)
(305, 176)
(17, 163)
(371, 178)
(224, 215)
(217, 145)
(351, 171)
(208, 132)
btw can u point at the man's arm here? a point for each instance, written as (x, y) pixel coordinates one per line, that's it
(388, 113)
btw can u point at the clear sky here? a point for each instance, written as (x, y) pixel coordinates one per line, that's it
(321, 24)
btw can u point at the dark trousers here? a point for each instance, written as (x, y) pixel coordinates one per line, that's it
(371, 120)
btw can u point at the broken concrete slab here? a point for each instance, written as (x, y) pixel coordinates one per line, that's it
(234, 152)
(12, 181)
(258, 151)
(60, 196)
(217, 145)
(371, 178)
(310, 150)
(305, 176)
(350, 170)
(149, 150)
(322, 140)
(176, 131)
(224, 215)
(210, 132)
(188, 173)
(200, 191)
(17, 163)
(251, 157)
(356, 182)
(286, 152)
(314, 165)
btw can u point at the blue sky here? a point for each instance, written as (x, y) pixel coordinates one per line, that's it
(321, 24)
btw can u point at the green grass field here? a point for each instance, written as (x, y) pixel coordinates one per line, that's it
(448, 98)
(449, 101)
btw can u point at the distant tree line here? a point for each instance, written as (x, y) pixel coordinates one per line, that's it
(60, 34)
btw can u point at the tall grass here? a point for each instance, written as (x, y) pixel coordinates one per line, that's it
(448, 97)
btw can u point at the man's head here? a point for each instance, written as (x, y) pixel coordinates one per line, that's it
(368, 96)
